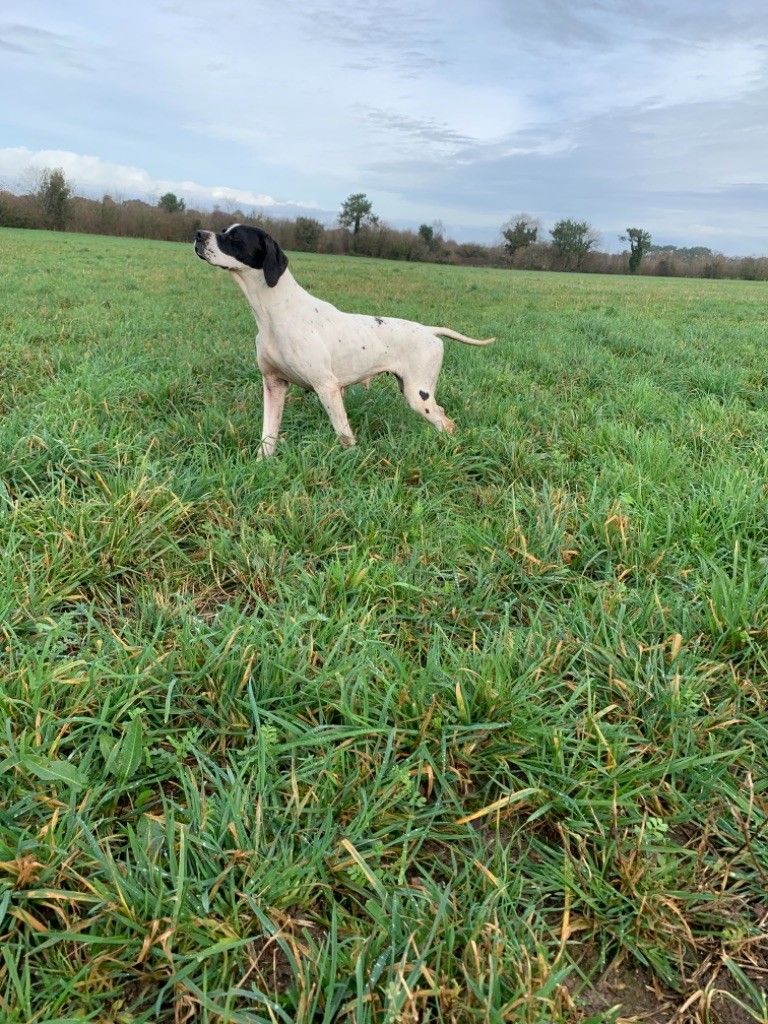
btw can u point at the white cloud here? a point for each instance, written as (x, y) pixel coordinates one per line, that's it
(673, 75)
(462, 112)
(90, 175)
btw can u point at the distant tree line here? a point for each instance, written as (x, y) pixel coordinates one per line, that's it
(571, 245)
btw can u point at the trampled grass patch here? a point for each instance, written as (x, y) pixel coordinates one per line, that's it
(433, 729)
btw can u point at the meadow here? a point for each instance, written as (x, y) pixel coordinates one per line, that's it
(439, 728)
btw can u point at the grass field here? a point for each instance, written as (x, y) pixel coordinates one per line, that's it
(433, 729)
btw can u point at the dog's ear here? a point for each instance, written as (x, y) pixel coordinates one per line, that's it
(275, 262)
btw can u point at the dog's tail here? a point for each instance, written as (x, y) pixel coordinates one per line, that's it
(448, 333)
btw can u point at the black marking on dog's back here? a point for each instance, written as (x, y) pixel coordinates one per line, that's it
(378, 320)
(424, 395)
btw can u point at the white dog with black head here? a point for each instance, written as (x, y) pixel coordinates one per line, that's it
(303, 340)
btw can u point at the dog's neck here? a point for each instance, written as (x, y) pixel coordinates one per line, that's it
(268, 303)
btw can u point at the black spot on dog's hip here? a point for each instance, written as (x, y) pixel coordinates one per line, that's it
(424, 395)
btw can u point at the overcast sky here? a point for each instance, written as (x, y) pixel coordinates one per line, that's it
(620, 112)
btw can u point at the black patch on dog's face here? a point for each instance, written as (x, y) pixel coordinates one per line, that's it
(424, 395)
(254, 248)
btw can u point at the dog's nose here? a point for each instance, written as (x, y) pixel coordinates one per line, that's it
(198, 236)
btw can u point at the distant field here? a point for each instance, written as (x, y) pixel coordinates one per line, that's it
(432, 729)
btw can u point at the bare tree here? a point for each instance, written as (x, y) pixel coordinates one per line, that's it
(439, 232)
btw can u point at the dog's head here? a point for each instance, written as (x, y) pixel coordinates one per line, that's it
(242, 248)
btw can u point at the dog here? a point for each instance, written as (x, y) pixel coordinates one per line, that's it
(303, 340)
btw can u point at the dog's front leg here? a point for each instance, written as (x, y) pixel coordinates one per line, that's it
(331, 395)
(275, 391)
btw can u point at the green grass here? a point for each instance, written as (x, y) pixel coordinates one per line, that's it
(427, 730)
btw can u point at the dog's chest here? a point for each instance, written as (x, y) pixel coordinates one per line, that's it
(281, 354)
(293, 352)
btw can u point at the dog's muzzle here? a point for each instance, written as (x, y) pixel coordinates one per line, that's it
(201, 244)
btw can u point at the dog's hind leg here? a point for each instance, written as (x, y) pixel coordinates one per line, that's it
(331, 395)
(419, 383)
(421, 398)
